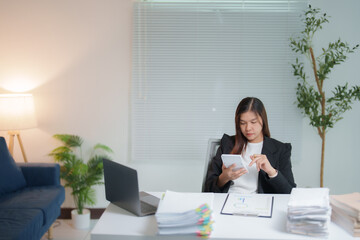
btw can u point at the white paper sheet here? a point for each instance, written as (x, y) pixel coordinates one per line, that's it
(259, 205)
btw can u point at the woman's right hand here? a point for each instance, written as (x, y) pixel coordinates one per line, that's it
(229, 174)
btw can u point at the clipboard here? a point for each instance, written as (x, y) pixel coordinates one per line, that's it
(254, 205)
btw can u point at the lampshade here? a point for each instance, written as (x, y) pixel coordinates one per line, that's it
(17, 111)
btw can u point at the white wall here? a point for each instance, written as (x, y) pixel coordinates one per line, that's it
(75, 57)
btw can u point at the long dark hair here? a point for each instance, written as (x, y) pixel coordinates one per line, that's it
(254, 105)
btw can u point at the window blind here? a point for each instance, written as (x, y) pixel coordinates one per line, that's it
(194, 61)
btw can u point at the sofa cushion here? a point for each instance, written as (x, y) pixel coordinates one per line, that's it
(11, 177)
(24, 224)
(48, 199)
(40, 174)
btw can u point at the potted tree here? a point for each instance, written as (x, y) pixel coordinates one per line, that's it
(322, 110)
(80, 175)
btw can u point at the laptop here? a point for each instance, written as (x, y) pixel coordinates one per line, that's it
(122, 189)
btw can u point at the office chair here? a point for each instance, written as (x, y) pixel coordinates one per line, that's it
(213, 145)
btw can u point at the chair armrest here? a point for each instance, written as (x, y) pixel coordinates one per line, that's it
(41, 174)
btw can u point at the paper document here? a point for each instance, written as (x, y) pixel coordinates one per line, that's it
(309, 212)
(346, 212)
(348, 203)
(258, 205)
(185, 213)
(177, 202)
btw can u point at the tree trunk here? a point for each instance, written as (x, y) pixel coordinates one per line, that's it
(321, 130)
(322, 159)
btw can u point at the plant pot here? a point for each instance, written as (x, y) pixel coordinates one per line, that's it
(80, 221)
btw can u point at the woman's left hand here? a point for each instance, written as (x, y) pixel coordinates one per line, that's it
(262, 163)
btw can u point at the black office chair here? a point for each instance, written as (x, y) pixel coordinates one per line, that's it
(213, 145)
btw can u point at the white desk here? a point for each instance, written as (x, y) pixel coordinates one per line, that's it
(116, 223)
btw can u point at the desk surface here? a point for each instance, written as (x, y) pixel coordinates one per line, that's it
(116, 222)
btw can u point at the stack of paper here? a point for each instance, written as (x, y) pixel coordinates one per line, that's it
(346, 212)
(185, 213)
(309, 211)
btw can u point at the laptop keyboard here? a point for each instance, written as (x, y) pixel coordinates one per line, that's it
(146, 208)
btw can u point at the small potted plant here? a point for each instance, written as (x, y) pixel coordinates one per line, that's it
(80, 175)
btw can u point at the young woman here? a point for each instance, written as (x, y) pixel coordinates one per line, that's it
(268, 160)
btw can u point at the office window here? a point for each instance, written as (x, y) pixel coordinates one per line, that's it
(194, 61)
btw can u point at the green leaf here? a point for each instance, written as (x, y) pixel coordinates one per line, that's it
(103, 147)
(61, 149)
(69, 140)
(80, 175)
(309, 99)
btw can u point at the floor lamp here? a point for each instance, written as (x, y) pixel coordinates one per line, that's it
(16, 113)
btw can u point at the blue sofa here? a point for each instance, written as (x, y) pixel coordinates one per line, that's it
(30, 197)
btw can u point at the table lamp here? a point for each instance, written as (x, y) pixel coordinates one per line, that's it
(16, 113)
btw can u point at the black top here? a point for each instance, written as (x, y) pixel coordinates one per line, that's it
(277, 153)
